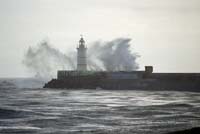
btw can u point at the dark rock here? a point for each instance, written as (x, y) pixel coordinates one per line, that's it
(188, 131)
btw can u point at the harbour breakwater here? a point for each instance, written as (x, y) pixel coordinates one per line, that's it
(135, 80)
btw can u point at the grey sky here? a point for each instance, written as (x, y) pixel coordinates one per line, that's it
(166, 33)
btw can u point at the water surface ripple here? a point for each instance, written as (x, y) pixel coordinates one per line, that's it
(53, 111)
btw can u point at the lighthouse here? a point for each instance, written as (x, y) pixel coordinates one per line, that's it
(81, 56)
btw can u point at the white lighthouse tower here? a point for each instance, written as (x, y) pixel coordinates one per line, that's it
(81, 56)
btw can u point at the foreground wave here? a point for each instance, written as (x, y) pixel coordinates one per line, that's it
(45, 111)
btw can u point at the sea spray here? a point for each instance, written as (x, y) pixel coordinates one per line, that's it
(115, 55)
(44, 60)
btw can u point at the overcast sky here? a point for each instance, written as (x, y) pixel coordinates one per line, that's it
(166, 33)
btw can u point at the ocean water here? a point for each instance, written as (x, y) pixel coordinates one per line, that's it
(25, 108)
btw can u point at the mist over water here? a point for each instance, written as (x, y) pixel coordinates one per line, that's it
(115, 55)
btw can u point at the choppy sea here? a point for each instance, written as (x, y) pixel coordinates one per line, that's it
(26, 108)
